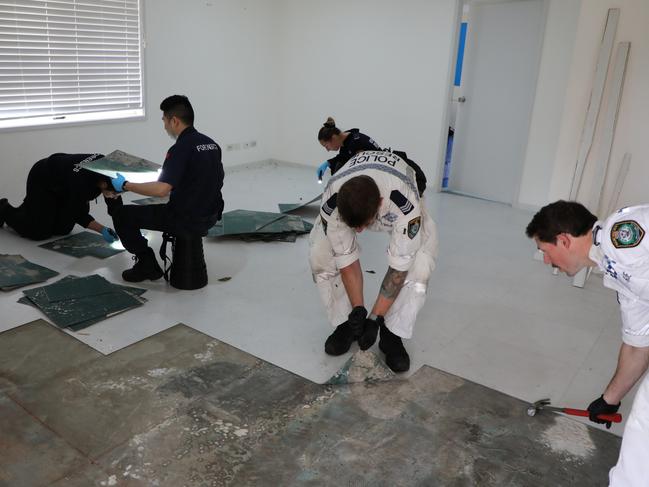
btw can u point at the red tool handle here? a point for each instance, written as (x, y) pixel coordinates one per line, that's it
(613, 418)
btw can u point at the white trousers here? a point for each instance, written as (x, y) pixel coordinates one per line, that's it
(632, 469)
(401, 316)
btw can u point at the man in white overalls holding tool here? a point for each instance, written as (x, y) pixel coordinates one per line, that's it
(374, 190)
(571, 239)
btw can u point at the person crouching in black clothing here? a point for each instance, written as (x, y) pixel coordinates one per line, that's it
(57, 197)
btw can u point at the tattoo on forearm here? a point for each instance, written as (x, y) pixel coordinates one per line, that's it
(392, 283)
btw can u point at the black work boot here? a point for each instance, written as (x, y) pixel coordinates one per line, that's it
(391, 345)
(146, 267)
(3, 206)
(340, 340)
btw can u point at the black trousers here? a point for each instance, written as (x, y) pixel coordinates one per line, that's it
(42, 213)
(130, 219)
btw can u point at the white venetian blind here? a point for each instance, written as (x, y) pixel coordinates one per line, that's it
(69, 60)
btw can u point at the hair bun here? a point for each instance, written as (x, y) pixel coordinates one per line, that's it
(330, 123)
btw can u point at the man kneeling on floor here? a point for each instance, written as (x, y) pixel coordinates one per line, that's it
(192, 177)
(374, 190)
(58, 193)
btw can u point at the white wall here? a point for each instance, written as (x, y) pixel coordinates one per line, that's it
(379, 65)
(549, 102)
(219, 53)
(633, 119)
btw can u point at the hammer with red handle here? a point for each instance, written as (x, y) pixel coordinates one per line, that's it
(545, 404)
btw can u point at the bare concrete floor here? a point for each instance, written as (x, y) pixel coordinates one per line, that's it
(182, 409)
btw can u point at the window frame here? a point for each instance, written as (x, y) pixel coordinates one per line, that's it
(89, 118)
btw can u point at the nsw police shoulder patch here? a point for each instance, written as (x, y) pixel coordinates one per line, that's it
(626, 234)
(413, 227)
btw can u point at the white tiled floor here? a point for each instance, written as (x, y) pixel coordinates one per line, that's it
(493, 315)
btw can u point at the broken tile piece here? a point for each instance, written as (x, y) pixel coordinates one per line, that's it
(16, 271)
(83, 244)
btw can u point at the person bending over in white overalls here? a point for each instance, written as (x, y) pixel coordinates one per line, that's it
(377, 191)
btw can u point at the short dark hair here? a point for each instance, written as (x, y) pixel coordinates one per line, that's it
(328, 130)
(560, 217)
(358, 201)
(178, 106)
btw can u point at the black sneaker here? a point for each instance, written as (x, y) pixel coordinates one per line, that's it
(340, 340)
(146, 267)
(391, 345)
(3, 206)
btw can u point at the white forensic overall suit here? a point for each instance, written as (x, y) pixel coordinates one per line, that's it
(413, 239)
(621, 249)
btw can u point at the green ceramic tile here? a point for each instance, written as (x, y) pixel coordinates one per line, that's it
(288, 207)
(252, 226)
(83, 244)
(16, 271)
(151, 201)
(268, 237)
(81, 311)
(216, 230)
(119, 161)
(77, 288)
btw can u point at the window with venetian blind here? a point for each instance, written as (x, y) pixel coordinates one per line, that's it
(65, 61)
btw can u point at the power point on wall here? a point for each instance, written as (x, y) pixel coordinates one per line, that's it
(246, 145)
(253, 143)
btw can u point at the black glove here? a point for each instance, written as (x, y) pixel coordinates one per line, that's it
(367, 339)
(356, 320)
(600, 406)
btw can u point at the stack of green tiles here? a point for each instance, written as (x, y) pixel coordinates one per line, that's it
(78, 302)
(260, 225)
(16, 271)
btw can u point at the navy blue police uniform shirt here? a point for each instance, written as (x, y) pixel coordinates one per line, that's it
(72, 185)
(354, 143)
(194, 169)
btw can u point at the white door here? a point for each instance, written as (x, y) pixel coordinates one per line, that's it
(499, 81)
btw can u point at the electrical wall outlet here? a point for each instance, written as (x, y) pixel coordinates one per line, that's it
(246, 145)
(253, 143)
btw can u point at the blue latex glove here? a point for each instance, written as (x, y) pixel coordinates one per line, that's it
(118, 182)
(109, 235)
(322, 168)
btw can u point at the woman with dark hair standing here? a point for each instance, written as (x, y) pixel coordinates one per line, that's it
(348, 144)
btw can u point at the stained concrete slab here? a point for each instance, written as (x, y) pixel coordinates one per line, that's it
(181, 408)
(30, 453)
(104, 402)
(38, 353)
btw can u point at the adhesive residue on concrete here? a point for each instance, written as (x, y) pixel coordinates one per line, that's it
(363, 366)
(208, 355)
(569, 436)
(160, 372)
